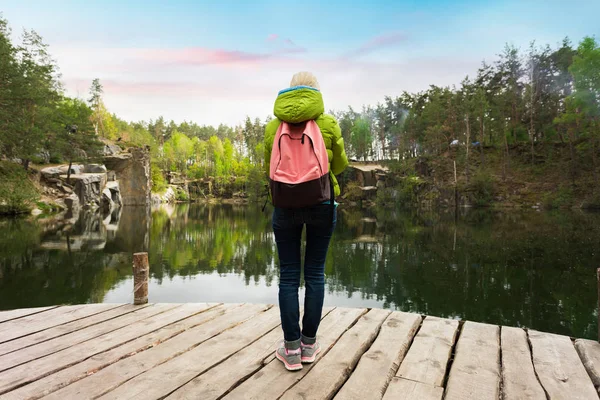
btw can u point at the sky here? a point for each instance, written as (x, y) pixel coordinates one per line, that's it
(215, 62)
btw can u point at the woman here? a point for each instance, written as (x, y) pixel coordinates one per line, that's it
(295, 110)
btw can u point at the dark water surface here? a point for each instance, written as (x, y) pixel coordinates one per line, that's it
(530, 269)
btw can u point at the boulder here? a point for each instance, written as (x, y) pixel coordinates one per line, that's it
(88, 188)
(106, 203)
(115, 193)
(72, 203)
(43, 156)
(369, 192)
(66, 189)
(133, 173)
(51, 173)
(94, 169)
(111, 149)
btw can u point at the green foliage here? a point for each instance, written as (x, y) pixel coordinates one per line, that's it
(182, 195)
(407, 190)
(353, 191)
(76, 139)
(361, 138)
(256, 186)
(561, 198)
(159, 184)
(482, 187)
(17, 193)
(47, 208)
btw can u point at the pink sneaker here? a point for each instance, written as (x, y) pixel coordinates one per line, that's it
(290, 354)
(310, 352)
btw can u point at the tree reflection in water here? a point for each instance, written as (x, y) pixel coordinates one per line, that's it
(514, 268)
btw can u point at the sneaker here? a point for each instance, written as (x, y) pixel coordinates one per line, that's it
(290, 354)
(310, 352)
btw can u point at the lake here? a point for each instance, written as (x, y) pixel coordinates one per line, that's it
(519, 268)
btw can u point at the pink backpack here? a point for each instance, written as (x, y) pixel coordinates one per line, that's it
(299, 174)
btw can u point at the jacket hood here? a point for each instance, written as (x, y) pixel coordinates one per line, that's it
(298, 104)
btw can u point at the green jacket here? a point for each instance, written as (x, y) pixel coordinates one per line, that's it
(299, 104)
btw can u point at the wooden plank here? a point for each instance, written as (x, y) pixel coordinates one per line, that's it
(328, 376)
(518, 375)
(219, 380)
(379, 365)
(103, 381)
(34, 352)
(428, 357)
(475, 373)
(589, 352)
(92, 365)
(39, 368)
(559, 367)
(21, 312)
(168, 377)
(64, 329)
(402, 389)
(38, 322)
(273, 380)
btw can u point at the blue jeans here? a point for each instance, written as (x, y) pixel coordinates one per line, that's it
(287, 226)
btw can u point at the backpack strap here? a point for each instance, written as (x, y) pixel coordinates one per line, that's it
(332, 201)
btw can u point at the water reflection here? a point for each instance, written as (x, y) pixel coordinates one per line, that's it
(519, 268)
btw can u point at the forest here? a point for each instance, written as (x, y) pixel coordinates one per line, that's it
(525, 102)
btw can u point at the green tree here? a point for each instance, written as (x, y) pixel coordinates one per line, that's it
(586, 77)
(34, 90)
(76, 139)
(361, 138)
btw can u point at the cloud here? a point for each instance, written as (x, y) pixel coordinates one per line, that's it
(198, 56)
(193, 83)
(378, 42)
(272, 37)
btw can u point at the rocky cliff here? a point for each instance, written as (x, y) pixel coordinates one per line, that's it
(123, 179)
(132, 169)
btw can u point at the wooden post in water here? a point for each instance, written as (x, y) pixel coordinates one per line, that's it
(141, 271)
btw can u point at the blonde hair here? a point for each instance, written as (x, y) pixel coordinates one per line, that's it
(305, 79)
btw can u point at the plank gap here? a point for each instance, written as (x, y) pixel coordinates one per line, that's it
(461, 324)
(500, 363)
(42, 329)
(353, 367)
(33, 340)
(26, 314)
(532, 363)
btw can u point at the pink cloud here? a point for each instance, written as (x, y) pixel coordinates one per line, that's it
(199, 56)
(272, 37)
(381, 41)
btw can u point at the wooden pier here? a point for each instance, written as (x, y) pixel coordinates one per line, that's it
(226, 351)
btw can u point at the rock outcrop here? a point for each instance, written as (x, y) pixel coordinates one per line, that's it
(132, 170)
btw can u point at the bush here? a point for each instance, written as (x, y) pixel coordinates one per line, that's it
(353, 191)
(48, 208)
(17, 193)
(181, 195)
(159, 184)
(482, 187)
(563, 197)
(592, 203)
(196, 172)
